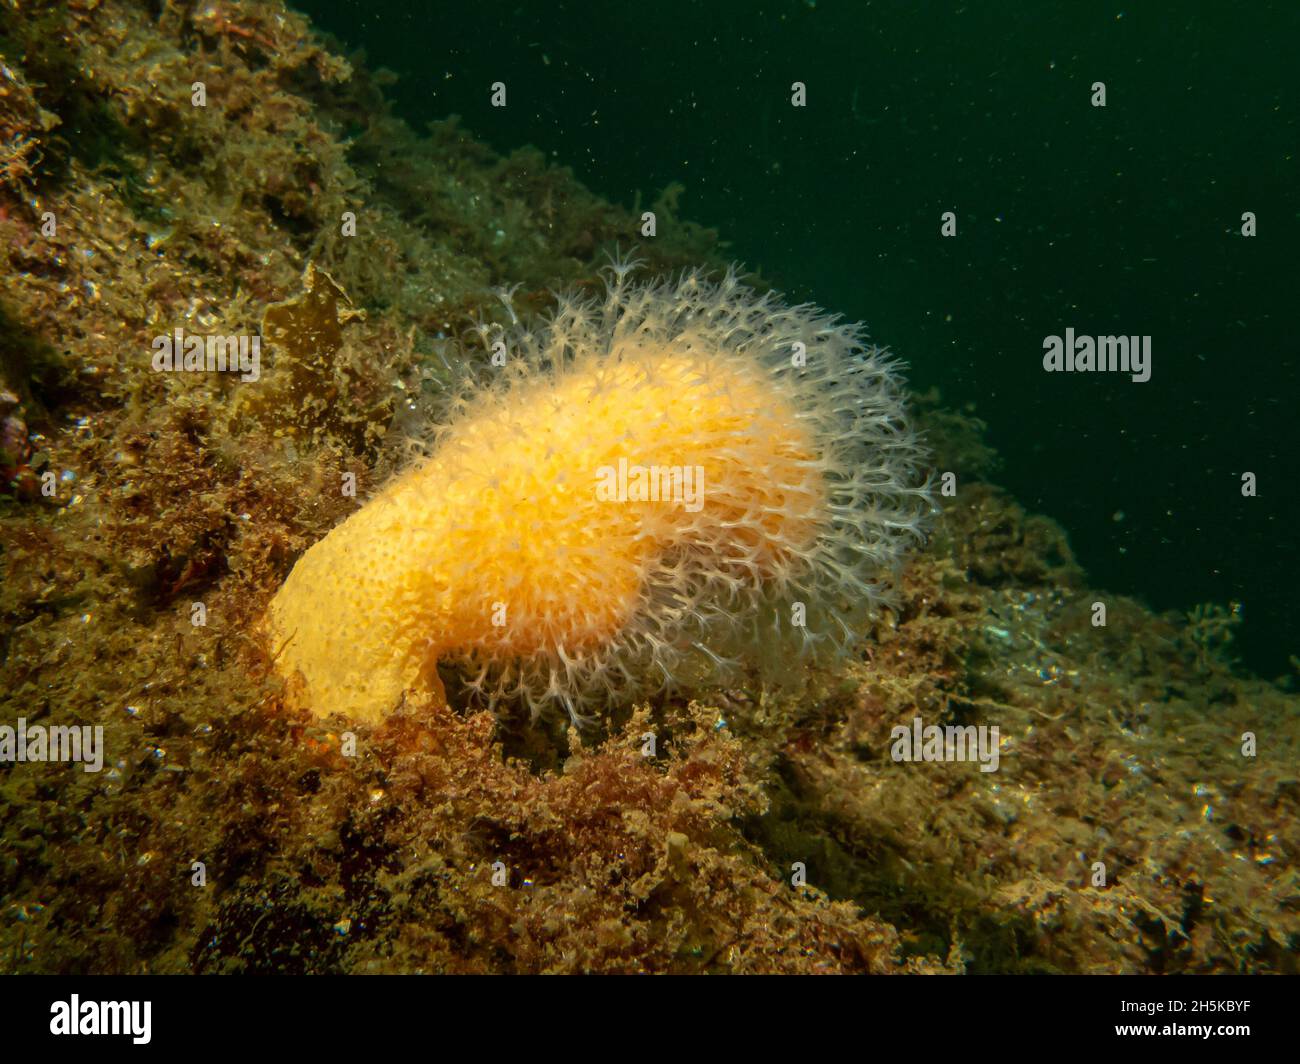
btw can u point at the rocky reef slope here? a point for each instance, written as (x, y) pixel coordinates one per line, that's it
(1125, 829)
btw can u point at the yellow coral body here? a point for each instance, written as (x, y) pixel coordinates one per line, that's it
(498, 544)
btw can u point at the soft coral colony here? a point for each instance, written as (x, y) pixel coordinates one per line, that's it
(659, 482)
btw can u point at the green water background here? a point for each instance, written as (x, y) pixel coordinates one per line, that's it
(1123, 219)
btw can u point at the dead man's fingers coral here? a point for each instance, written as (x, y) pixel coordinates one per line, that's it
(680, 474)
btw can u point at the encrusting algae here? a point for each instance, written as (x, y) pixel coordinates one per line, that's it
(674, 477)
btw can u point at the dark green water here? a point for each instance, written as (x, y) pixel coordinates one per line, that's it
(1117, 220)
